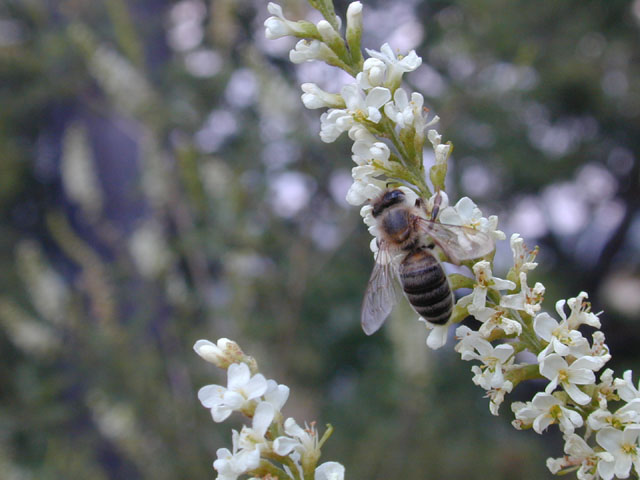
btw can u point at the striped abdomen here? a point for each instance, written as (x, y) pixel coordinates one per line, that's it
(426, 286)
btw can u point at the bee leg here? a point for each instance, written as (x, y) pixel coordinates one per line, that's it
(436, 206)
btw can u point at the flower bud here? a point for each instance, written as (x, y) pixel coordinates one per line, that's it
(354, 31)
(222, 354)
(278, 26)
(309, 50)
(315, 97)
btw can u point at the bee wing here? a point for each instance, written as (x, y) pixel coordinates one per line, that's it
(380, 297)
(458, 243)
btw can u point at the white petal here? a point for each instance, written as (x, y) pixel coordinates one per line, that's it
(284, 445)
(262, 417)
(237, 375)
(544, 325)
(437, 337)
(329, 471)
(377, 97)
(576, 394)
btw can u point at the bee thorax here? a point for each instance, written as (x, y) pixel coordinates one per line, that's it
(396, 225)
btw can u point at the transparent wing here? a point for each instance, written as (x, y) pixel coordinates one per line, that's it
(380, 297)
(458, 243)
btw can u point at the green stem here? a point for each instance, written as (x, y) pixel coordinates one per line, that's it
(526, 372)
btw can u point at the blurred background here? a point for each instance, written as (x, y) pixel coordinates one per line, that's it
(160, 182)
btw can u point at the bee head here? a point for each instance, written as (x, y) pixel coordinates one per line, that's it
(386, 200)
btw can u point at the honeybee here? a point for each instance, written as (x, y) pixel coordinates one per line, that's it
(405, 232)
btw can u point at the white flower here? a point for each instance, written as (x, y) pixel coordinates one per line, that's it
(466, 213)
(222, 353)
(466, 340)
(333, 123)
(364, 187)
(491, 374)
(580, 312)
(496, 396)
(545, 410)
(623, 446)
(367, 106)
(231, 465)
(485, 281)
(599, 348)
(254, 437)
(625, 415)
(329, 471)
(278, 26)
(580, 372)
(276, 394)
(402, 111)
(522, 258)
(527, 299)
(302, 440)
(492, 319)
(366, 151)
(242, 388)
(315, 97)
(373, 74)
(310, 50)
(578, 453)
(396, 66)
(625, 387)
(359, 107)
(562, 340)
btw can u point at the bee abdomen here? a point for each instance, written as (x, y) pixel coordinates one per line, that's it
(425, 284)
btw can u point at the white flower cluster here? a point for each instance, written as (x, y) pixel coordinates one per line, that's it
(600, 418)
(574, 398)
(269, 446)
(387, 124)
